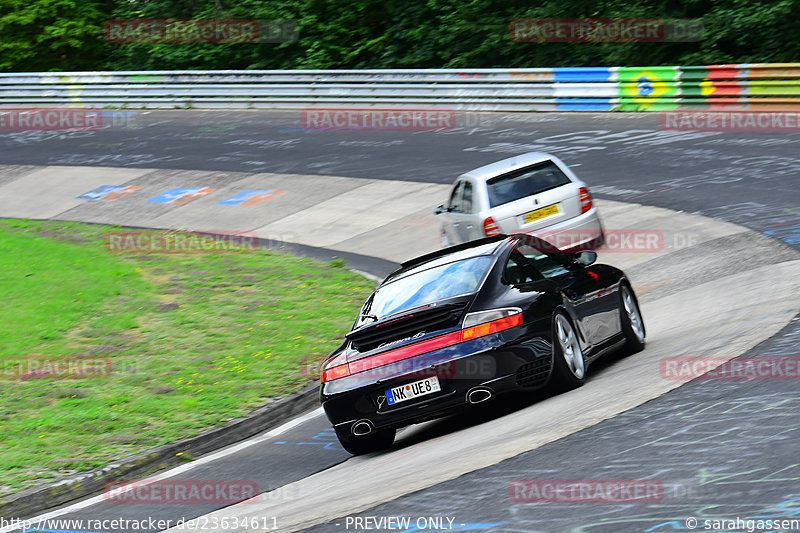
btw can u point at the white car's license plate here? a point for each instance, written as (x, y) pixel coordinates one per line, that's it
(538, 214)
(413, 390)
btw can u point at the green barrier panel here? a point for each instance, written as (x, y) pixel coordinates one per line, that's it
(647, 83)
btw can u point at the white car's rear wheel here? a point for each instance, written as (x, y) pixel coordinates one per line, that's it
(445, 239)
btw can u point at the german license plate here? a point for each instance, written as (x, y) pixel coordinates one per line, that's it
(539, 214)
(413, 390)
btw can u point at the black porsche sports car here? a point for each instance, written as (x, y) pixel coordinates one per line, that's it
(463, 324)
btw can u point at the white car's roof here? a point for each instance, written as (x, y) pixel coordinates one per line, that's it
(506, 165)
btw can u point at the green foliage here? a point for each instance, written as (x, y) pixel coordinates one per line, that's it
(41, 35)
(67, 34)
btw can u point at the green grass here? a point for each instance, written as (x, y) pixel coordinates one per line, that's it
(194, 340)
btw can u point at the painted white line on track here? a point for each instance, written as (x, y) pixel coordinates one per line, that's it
(229, 450)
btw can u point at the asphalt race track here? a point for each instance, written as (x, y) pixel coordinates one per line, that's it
(747, 178)
(719, 449)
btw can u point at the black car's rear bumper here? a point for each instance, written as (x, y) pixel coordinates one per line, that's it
(489, 362)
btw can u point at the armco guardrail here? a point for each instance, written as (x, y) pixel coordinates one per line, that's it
(746, 86)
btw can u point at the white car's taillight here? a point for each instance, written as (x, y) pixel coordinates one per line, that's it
(586, 199)
(490, 227)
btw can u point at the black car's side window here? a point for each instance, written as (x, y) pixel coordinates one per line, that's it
(454, 204)
(547, 266)
(518, 270)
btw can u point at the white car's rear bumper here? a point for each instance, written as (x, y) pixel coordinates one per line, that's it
(583, 232)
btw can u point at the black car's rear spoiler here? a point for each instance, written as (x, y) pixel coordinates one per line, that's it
(444, 251)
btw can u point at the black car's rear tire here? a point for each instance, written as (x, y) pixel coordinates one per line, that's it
(632, 321)
(374, 442)
(569, 367)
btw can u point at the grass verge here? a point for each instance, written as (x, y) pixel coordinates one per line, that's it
(173, 343)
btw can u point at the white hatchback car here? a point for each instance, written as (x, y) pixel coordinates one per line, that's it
(530, 193)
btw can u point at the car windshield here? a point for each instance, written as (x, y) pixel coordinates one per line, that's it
(431, 285)
(525, 182)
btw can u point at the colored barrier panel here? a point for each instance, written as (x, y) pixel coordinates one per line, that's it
(656, 88)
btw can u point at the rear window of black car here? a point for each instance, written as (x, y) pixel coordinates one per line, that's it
(431, 285)
(525, 182)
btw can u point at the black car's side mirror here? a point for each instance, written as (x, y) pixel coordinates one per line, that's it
(585, 258)
(439, 209)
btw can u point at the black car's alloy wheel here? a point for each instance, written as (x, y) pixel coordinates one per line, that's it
(632, 323)
(359, 445)
(569, 368)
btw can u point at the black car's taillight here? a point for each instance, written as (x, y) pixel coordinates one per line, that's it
(473, 327)
(335, 368)
(484, 323)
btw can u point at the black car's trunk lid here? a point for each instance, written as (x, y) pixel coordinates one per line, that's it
(409, 326)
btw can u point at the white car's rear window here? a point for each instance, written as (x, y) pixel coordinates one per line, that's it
(525, 182)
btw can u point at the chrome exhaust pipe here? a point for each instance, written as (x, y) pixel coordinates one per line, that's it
(479, 395)
(361, 428)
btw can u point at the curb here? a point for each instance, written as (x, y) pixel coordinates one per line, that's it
(37, 499)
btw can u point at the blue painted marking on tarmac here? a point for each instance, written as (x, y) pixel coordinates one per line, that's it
(325, 445)
(790, 235)
(98, 193)
(173, 195)
(244, 196)
(326, 438)
(328, 435)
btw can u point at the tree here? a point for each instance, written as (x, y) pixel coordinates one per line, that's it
(42, 35)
